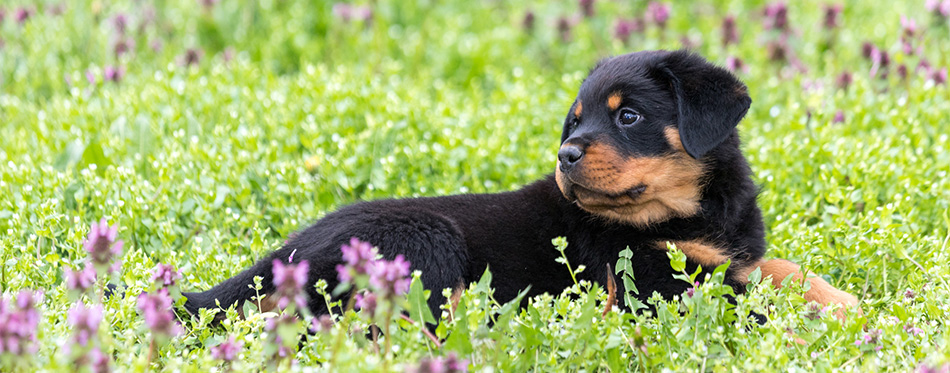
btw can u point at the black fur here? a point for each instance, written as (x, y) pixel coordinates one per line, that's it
(453, 239)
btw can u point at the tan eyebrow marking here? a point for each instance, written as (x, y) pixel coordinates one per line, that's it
(578, 109)
(613, 102)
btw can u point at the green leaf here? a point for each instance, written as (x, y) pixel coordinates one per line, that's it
(93, 154)
(756, 276)
(677, 257)
(418, 307)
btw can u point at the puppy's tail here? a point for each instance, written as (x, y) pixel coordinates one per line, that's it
(233, 291)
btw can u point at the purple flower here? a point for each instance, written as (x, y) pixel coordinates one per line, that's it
(659, 13)
(158, 313)
(289, 280)
(778, 50)
(688, 43)
(776, 16)
(623, 29)
(22, 15)
(839, 117)
(18, 323)
(872, 337)
(192, 57)
(587, 7)
(3, 14)
(528, 21)
(228, 54)
(924, 368)
(391, 277)
(908, 48)
(156, 45)
(447, 364)
(322, 324)
(123, 45)
(832, 16)
(730, 34)
(101, 244)
(291, 275)
(564, 28)
(913, 330)
(120, 22)
(99, 362)
(56, 9)
(82, 279)
(85, 322)
(909, 26)
(902, 71)
(366, 302)
(208, 4)
(227, 350)
(166, 275)
(924, 67)
(844, 80)
(940, 9)
(940, 76)
(692, 290)
(867, 49)
(879, 60)
(284, 324)
(347, 12)
(909, 294)
(930, 5)
(814, 310)
(358, 259)
(363, 13)
(90, 77)
(343, 11)
(26, 301)
(113, 74)
(734, 64)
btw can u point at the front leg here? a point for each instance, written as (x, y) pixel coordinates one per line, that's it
(819, 291)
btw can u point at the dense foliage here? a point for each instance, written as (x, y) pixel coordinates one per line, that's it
(204, 133)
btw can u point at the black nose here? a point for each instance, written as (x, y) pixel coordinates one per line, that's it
(569, 155)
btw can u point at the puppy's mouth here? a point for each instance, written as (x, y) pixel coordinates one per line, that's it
(589, 198)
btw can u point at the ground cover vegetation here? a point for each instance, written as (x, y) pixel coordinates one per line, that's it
(166, 145)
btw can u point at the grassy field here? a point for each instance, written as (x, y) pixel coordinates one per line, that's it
(208, 131)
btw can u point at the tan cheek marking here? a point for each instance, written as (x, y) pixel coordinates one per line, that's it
(578, 109)
(820, 291)
(613, 102)
(673, 137)
(700, 252)
(673, 184)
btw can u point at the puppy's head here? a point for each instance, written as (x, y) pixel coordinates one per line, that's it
(636, 139)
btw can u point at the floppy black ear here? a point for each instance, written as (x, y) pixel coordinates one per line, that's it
(711, 101)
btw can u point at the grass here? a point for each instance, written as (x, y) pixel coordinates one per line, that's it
(291, 111)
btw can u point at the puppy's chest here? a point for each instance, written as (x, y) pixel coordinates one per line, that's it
(596, 249)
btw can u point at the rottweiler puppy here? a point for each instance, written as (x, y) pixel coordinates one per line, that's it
(649, 154)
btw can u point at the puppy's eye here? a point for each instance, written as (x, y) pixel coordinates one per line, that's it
(574, 123)
(628, 117)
